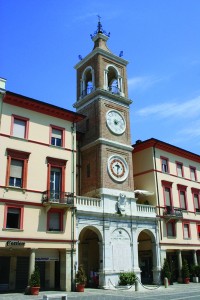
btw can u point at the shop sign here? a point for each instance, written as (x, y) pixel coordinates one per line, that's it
(46, 259)
(47, 255)
(15, 243)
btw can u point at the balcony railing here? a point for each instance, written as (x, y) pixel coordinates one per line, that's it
(173, 212)
(58, 198)
(146, 209)
(87, 201)
(87, 91)
(114, 89)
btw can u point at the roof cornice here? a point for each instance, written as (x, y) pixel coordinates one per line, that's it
(165, 147)
(41, 107)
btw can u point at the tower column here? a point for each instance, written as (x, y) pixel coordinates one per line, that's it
(135, 243)
(105, 79)
(180, 279)
(31, 263)
(195, 258)
(156, 262)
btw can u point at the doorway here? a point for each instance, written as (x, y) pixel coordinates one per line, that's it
(89, 255)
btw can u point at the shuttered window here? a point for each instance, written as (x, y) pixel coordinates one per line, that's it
(182, 199)
(55, 220)
(16, 169)
(186, 231)
(167, 197)
(19, 128)
(56, 138)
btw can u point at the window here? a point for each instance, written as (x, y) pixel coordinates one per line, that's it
(55, 183)
(182, 199)
(186, 230)
(167, 193)
(13, 218)
(167, 196)
(17, 164)
(198, 230)
(182, 196)
(164, 165)
(19, 127)
(57, 136)
(171, 229)
(16, 168)
(56, 178)
(55, 220)
(193, 174)
(87, 81)
(196, 199)
(179, 168)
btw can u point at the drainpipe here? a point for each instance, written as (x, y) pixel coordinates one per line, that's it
(73, 208)
(155, 166)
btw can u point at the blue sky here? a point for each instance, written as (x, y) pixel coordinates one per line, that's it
(41, 41)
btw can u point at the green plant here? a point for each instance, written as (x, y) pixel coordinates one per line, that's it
(195, 270)
(35, 277)
(185, 269)
(166, 270)
(127, 278)
(81, 277)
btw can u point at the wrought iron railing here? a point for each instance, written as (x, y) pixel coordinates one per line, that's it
(171, 211)
(87, 91)
(113, 89)
(59, 197)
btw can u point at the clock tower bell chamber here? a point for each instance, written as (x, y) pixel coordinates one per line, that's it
(105, 145)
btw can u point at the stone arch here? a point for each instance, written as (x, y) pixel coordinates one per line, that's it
(146, 250)
(113, 80)
(87, 81)
(90, 253)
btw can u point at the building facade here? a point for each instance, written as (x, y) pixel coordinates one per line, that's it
(37, 188)
(114, 233)
(172, 175)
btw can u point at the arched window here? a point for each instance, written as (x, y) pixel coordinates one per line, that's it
(113, 80)
(87, 82)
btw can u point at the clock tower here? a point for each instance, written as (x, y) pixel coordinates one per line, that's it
(106, 152)
(109, 221)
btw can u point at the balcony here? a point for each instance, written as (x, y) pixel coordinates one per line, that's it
(58, 199)
(174, 213)
(88, 204)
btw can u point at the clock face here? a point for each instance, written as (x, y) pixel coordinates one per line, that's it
(115, 122)
(117, 168)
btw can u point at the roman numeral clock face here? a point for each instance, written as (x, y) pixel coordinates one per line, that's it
(115, 122)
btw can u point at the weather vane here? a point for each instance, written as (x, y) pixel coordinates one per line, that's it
(99, 28)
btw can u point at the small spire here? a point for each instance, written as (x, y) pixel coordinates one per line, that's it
(99, 29)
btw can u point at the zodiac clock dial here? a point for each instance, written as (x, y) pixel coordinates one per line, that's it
(117, 168)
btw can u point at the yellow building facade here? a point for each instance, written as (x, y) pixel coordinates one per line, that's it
(169, 178)
(37, 192)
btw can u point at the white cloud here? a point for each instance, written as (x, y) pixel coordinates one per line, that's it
(143, 82)
(190, 108)
(192, 131)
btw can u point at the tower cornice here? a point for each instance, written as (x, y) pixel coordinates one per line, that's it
(103, 53)
(100, 94)
(107, 143)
